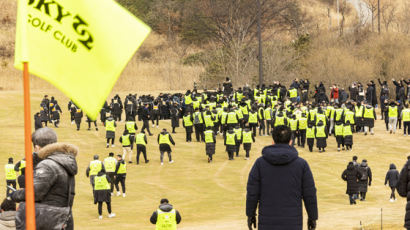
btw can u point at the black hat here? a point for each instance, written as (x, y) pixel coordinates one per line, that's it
(164, 200)
(96, 157)
(11, 160)
(111, 154)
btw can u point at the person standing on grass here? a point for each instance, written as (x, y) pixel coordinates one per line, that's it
(392, 177)
(102, 193)
(365, 179)
(165, 217)
(278, 183)
(11, 175)
(120, 175)
(403, 188)
(165, 140)
(210, 141)
(109, 164)
(352, 176)
(110, 125)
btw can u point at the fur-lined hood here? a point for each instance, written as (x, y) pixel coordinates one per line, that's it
(61, 153)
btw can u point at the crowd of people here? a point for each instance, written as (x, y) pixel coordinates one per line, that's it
(238, 116)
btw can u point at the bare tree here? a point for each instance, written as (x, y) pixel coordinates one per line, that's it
(388, 12)
(372, 6)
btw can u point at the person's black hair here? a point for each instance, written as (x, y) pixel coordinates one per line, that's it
(8, 205)
(355, 158)
(111, 154)
(119, 155)
(10, 160)
(164, 200)
(96, 157)
(281, 134)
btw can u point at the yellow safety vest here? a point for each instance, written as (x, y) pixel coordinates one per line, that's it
(223, 117)
(302, 123)
(95, 167)
(279, 121)
(406, 115)
(393, 111)
(312, 114)
(247, 137)
(10, 173)
(239, 113)
(188, 100)
(230, 139)
(347, 131)
(187, 121)
(101, 183)
(130, 125)
(368, 113)
(126, 140)
(109, 125)
(260, 113)
(320, 131)
(140, 139)
(359, 111)
(166, 220)
(253, 118)
(310, 132)
(22, 166)
(329, 111)
(109, 164)
(122, 169)
(339, 130)
(349, 116)
(232, 119)
(208, 121)
(293, 123)
(338, 114)
(268, 114)
(293, 93)
(209, 136)
(321, 117)
(164, 139)
(198, 115)
(244, 109)
(238, 133)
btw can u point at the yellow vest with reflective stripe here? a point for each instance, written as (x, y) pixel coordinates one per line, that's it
(406, 115)
(230, 139)
(232, 118)
(320, 131)
(310, 132)
(95, 167)
(238, 133)
(199, 116)
(268, 114)
(101, 183)
(130, 125)
(347, 131)
(349, 116)
(358, 111)
(208, 121)
(109, 164)
(339, 130)
(239, 113)
(209, 136)
(10, 173)
(393, 112)
(293, 93)
(302, 123)
(22, 166)
(187, 121)
(164, 139)
(122, 169)
(140, 139)
(368, 113)
(253, 118)
(126, 140)
(279, 121)
(247, 137)
(338, 113)
(109, 125)
(166, 220)
(293, 124)
(321, 117)
(188, 100)
(244, 109)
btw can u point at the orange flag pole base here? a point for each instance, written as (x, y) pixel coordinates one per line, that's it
(30, 210)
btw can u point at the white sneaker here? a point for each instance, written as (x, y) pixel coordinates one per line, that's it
(111, 215)
(123, 195)
(112, 194)
(162, 163)
(157, 126)
(246, 158)
(113, 146)
(118, 193)
(100, 217)
(391, 200)
(171, 162)
(72, 122)
(153, 126)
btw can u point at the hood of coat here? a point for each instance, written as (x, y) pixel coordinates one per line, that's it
(164, 132)
(166, 207)
(62, 153)
(8, 216)
(279, 154)
(363, 164)
(392, 166)
(350, 166)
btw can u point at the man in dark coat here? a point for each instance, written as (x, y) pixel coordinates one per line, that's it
(145, 116)
(365, 179)
(278, 182)
(165, 207)
(351, 175)
(392, 176)
(54, 183)
(403, 188)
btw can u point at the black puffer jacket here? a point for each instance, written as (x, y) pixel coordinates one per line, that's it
(403, 188)
(392, 176)
(352, 176)
(366, 176)
(51, 181)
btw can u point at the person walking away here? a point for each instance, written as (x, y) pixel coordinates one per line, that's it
(365, 179)
(238, 131)
(321, 136)
(126, 140)
(11, 175)
(89, 121)
(165, 140)
(403, 188)
(351, 175)
(253, 120)
(230, 143)
(141, 141)
(165, 217)
(310, 136)
(145, 117)
(53, 182)
(247, 139)
(93, 168)
(268, 118)
(131, 127)
(392, 114)
(72, 108)
(102, 194)
(175, 115)
(55, 111)
(293, 125)
(261, 119)
(348, 136)
(78, 116)
(277, 183)
(109, 164)
(302, 126)
(392, 176)
(37, 121)
(369, 116)
(120, 175)
(187, 122)
(110, 125)
(8, 215)
(198, 120)
(405, 117)
(339, 135)
(210, 141)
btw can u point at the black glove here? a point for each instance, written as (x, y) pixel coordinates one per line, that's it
(251, 220)
(311, 224)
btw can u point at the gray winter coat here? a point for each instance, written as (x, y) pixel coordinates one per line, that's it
(364, 180)
(51, 186)
(7, 220)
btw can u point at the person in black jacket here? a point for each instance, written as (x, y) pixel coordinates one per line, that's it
(392, 176)
(403, 186)
(165, 207)
(145, 116)
(37, 121)
(365, 179)
(351, 175)
(278, 182)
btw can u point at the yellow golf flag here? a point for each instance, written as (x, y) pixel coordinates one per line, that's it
(79, 46)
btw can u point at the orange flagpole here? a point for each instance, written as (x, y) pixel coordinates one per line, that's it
(30, 211)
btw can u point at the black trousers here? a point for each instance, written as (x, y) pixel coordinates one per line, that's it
(78, 123)
(141, 149)
(100, 204)
(252, 126)
(188, 134)
(393, 195)
(238, 147)
(262, 127)
(199, 132)
(302, 138)
(89, 124)
(10, 183)
(111, 175)
(120, 179)
(268, 126)
(311, 142)
(145, 125)
(406, 127)
(112, 140)
(155, 117)
(162, 156)
(294, 135)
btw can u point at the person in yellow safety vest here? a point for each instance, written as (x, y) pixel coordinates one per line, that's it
(280, 119)
(321, 136)
(210, 141)
(93, 168)
(358, 117)
(21, 165)
(238, 95)
(109, 164)
(165, 217)
(209, 120)
(310, 136)
(312, 114)
(198, 120)
(302, 126)
(230, 142)
(126, 140)
(369, 116)
(110, 125)
(330, 110)
(348, 136)
(132, 128)
(268, 114)
(102, 194)
(293, 125)
(338, 114)
(405, 117)
(188, 101)
(238, 131)
(339, 135)
(293, 94)
(245, 110)
(165, 140)
(187, 122)
(261, 118)
(247, 139)
(349, 117)
(11, 175)
(232, 119)
(393, 112)
(141, 141)
(216, 116)
(320, 116)
(253, 120)
(239, 114)
(120, 175)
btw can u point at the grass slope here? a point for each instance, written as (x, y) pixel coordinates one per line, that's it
(210, 196)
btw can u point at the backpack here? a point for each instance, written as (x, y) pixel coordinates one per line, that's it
(196, 118)
(365, 174)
